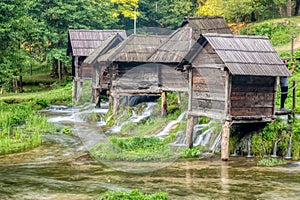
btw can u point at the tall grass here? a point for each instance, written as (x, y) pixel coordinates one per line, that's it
(21, 126)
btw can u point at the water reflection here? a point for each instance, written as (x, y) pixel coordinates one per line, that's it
(62, 169)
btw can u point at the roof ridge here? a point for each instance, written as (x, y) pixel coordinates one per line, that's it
(234, 36)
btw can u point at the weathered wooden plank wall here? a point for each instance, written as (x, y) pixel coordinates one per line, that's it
(208, 85)
(252, 95)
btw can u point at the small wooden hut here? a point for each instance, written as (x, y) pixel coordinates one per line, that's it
(232, 78)
(91, 62)
(81, 43)
(127, 69)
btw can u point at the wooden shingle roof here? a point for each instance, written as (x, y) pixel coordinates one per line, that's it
(136, 48)
(206, 24)
(84, 42)
(104, 47)
(175, 47)
(247, 55)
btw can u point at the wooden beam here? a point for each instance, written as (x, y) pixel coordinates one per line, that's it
(189, 131)
(225, 141)
(164, 104)
(190, 89)
(74, 88)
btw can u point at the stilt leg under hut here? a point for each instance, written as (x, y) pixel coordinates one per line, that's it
(189, 131)
(225, 141)
(164, 104)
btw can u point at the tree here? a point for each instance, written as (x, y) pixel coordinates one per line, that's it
(211, 8)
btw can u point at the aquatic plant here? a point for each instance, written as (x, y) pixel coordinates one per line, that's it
(271, 162)
(67, 130)
(132, 195)
(192, 152)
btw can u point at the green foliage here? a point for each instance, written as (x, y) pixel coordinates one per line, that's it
(192, 152)
(133, 149)
(144, 128)
(262, 143)
(132, 195)
(67, 130)
(21, 127)
(296, 140)
(271, 162)
(279, 33)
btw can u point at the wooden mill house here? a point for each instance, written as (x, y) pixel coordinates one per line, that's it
(232, 78)
(91, 63)
(81, 43)
(164, 55)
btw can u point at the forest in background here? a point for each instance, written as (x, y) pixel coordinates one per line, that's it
(34, 32)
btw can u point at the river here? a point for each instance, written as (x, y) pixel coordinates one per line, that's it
(61, 169)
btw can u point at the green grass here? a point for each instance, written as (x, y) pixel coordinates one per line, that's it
(61, 95)
(21, 125)
(132, 195)
(134, 149)
(271, 162)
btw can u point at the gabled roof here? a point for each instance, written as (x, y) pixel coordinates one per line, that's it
(104, 47)
(247, 55)
(206, 24)
(175, 47)
(84, 42)
(136, 48)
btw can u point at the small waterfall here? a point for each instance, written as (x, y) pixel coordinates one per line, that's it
(274, 155)
(216, 145)
(135, 118)
(249, 147)
(179, 139)
(204, 138)
(288, 153)
(167, 129)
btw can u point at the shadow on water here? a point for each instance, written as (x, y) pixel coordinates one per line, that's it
(62, 169)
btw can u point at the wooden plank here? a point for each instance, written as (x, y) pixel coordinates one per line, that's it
(215, 114)
(253, 81)
(209, 80)
(255, 96)
(209, 88)
(252, 88)
(198, 104)
(209, 96)
(251, 111)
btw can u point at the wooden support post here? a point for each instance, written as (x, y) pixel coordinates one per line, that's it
(164, 104)
(116, 102)
(179, 97)
(74, 90)
(79, 89)
(225, 141)
(189, 132)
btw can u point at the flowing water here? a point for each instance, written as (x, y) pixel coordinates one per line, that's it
(61, 169)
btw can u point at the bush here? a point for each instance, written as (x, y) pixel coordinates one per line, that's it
(133, 195)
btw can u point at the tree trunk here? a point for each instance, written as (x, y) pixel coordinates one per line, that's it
(297, 6)
(21, 81)
(281, 11)
(289, 8)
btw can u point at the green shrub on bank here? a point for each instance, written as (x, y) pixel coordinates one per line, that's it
(21, 127)
(132, 195)
(280, 131)
(279, 33)
(134, 149)
(271, 162)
